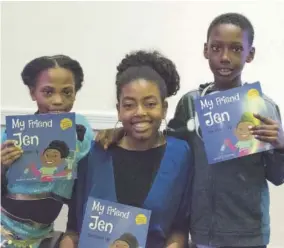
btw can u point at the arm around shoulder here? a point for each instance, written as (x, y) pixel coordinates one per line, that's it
(85, 136)
(177, 126)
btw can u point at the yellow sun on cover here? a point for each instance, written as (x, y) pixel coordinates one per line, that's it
(65, 123)
(141, 219)
(252, 93)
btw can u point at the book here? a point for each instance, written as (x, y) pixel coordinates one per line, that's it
(108, 225)
(225, 118)
(48, 142)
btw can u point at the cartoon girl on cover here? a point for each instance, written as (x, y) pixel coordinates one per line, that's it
(126, 240)
(246, 141)
(52, 157)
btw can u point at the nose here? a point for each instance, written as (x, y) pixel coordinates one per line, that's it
(140, 110)
(225, 58)
(57, 100)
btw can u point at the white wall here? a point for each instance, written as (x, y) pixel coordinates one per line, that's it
(99, 34)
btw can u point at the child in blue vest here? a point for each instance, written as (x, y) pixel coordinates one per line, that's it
(145, 169)
(28, 210)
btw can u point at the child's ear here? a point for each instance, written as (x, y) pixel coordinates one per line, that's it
(205, 51)
(251, 55)
(32, 93)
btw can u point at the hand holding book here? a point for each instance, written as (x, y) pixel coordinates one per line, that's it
(10, 153)
(49, 145)
(229, 127)
(269, 131)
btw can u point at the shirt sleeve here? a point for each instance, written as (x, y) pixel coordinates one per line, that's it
(274, 163)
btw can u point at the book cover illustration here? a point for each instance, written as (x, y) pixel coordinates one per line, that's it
(48, 142)
(112, 225)
(225, 118)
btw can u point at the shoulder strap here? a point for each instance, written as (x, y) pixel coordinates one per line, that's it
(191, 109)
(194, 95)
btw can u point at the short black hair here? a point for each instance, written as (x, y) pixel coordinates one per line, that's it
(236, 19)
(32, 69)
(163, 66)
(140, 72)
(60, 146)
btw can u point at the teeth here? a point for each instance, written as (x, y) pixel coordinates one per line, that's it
(141, 124)
(225, 71)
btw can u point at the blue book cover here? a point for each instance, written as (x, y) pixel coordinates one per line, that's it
(109, 225)
(225, 118)
(49, 145)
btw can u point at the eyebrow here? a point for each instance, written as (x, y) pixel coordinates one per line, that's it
(144, 98)
(49, 87)
(234, 42)
(150, 97)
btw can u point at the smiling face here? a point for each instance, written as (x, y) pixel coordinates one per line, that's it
(227, 51)
(242, 131)
(51, 158)
(141, 109)
(54, 91)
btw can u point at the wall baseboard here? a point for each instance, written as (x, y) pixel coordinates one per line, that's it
(97, 119)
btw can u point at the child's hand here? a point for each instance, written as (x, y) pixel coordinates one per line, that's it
(9, 152)
(108, 137)
(69, 241)
(269, 131)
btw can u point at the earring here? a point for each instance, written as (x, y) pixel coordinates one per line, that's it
(163, 127)
(116, 127)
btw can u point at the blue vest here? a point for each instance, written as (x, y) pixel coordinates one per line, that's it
(168, 199)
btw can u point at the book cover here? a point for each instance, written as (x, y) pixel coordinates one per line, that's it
(49, 145)
(109, 225)
(225, 118)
